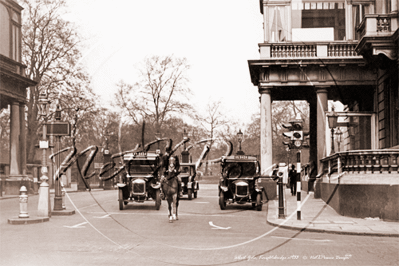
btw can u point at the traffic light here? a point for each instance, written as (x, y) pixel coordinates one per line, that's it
(295, 134)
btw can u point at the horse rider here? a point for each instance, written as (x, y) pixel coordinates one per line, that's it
(171, 172)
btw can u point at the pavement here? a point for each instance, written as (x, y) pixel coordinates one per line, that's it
(316, 216)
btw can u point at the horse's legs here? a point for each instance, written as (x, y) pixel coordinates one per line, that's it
(175, 205)
(170, 211)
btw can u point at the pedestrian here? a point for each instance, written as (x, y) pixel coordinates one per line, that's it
(293, 179)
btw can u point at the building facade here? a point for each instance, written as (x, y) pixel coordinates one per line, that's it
(343, 51)
(13, 94)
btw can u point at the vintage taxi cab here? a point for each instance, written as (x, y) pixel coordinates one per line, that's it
(140, 182)
(190, 184)
(239, 181)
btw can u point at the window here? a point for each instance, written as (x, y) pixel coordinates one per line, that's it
(323, 21)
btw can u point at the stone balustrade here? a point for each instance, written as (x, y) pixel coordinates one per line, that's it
(378, 25)
(337, 49)
(362, 162)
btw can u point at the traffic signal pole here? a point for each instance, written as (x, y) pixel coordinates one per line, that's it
(298, 185)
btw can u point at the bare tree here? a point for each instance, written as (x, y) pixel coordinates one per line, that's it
(160, 91)
(49, 51)
(213, 120)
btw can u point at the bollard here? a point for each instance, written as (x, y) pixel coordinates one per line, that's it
(281, 210)
(63, 198)
(23, 203)
(44, 208)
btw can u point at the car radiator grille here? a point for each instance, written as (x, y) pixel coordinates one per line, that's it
(138, 188)
(241, 190)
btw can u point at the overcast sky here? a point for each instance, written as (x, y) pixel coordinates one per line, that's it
(216, 36)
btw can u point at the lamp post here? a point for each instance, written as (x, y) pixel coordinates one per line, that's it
(44, 206)
(332, 123)
(43, 102)
(108, 184)
(57, 185)
(185, 154)
(240, 137)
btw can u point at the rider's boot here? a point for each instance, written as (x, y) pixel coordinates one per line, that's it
(162, 195)
(179, 189)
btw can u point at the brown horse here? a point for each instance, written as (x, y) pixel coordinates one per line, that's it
(170, 187)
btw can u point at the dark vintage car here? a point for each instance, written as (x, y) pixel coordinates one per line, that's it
(239, 182)
(140, 182)
(189, 185)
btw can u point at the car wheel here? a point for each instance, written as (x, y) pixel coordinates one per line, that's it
(222, 202)
(120, 199)
(259, 202)
(157, 199)
(190, 194)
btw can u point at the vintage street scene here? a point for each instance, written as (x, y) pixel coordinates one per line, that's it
(199, 133)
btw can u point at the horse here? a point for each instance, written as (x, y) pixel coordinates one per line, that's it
(170, 188)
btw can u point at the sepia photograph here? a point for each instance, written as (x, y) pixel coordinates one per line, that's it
(199, 133)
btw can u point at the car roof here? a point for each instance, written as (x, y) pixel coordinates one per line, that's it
(187, 164)
(140, 156)
(240, 158)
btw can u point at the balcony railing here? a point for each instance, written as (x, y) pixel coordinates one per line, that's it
(308, 50)
(362, 162)
(378, 25)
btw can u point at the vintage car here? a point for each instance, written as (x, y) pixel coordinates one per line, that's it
(239, 182)
(140, 182)
(189, 185)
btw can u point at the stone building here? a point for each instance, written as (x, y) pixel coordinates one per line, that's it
(13, 93)
(343, 51)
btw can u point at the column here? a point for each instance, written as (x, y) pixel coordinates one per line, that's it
(322, 105)
(266, 22)
(266, 137)
(313, 132)
(288, 34)
(394, 6)
(14, 140)
(349, 22)
(22, 139)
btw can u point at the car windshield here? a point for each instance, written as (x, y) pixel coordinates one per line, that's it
(186, 170)
(237, 169)
(141, 166)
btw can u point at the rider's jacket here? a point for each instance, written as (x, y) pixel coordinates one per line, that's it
(171, 173)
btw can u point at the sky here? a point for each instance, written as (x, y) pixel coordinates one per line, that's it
(217, 37)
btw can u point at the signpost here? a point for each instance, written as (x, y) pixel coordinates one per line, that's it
(58, 129)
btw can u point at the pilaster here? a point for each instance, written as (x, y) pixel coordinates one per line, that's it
(266, 138)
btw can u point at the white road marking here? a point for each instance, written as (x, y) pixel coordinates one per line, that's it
(320, 240)
(101, 217)
(76, 226)
(218, 227)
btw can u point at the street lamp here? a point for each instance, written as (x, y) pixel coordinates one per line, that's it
(240, 137)
(57, 187)
(185, 154)
(332, 123)
(108, 184)
(43, 104)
